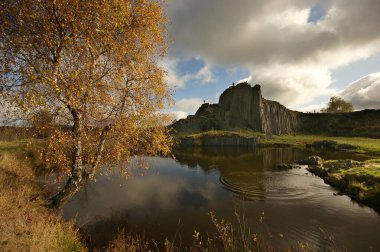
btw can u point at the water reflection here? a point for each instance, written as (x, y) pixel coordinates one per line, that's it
(172, 199)
(251, 173)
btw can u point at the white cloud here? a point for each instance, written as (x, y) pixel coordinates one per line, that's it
(290, 57)
(172, 78)
(294, 85)
(364, 93)
(313, 107)
(188, 105)
(204, 75)
(179, 114)
(185, 107)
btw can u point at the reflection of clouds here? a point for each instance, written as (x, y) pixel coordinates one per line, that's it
(159, 189)
(296, 204)
(191, 199)
(162, 187)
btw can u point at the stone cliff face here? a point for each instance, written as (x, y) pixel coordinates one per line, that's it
(365, 123)
(277, 119)
(241, 107)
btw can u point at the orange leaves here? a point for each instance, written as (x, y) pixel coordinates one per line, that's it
(97, 57)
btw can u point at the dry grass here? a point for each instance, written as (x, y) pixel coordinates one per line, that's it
(11, 133)
(25, 225)
(125, 242)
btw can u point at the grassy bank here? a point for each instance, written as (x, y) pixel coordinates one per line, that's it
(25, 224)
(359, 180)
(221, 138)
(220, 133)
(369, 146)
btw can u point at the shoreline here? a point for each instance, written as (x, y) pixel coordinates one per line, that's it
(67, 235)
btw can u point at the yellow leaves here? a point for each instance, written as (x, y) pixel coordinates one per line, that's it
(99, 57)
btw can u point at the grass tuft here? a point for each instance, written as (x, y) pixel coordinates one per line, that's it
(25, 225)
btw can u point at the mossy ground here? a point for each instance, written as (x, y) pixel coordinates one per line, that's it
(362, 183)
(369, 146)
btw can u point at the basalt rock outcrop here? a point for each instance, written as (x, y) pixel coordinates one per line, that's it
(243, 107)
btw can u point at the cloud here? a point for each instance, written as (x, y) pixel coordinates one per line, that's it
(179, 114)
(292, 57)
(364, 93)
(188, 105)
(172, 78)
(185, 107)
(294, 85)
(204, 75)
(313, 108)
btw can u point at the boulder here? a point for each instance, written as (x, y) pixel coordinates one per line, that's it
(311, 160)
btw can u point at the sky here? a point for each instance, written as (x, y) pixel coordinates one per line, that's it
(301, 52)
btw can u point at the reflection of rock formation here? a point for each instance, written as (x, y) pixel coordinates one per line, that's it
(258, 159)
(242, 171)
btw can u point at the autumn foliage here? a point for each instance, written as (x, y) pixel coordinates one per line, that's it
(93, 66)
(338, 105)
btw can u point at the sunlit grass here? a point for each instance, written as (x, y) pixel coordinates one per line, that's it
(364, 145)
(25, 225)
(218, 133)
(13, 146)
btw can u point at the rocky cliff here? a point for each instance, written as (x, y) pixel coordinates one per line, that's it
(243, 107)
(365, 123)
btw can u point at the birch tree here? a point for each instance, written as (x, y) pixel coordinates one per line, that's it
(94, 66)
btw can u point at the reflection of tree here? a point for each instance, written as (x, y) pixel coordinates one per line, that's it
(242, 170)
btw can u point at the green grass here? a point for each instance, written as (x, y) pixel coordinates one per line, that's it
(368, 174)
(364, 145)
(361, 182)
(374, 160)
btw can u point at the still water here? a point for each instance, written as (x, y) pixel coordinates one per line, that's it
(173, 197)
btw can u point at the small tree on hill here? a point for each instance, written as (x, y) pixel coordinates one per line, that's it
(94, 65)
(338, 105)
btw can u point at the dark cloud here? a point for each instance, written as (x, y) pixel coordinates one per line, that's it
(275, 40)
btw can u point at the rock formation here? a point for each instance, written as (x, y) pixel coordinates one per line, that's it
(243, 107)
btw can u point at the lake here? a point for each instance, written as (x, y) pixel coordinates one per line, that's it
(173, 197)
